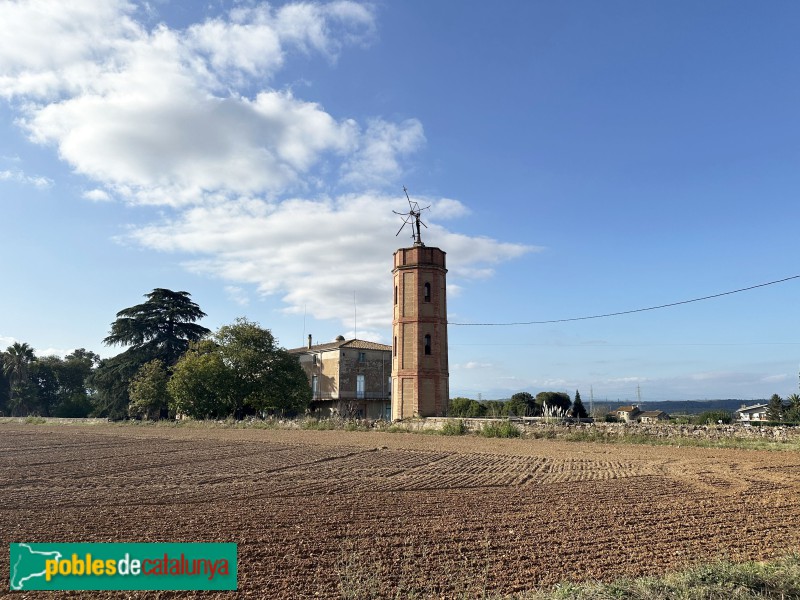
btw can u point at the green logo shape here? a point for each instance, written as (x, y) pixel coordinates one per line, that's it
(121, 566)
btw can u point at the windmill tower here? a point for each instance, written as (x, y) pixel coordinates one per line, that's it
(420, 378)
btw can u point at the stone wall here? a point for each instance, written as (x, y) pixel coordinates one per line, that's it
(660, 430)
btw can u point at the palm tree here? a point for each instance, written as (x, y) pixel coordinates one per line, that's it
(16, 359)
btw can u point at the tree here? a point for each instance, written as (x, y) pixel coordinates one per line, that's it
(550, 402)
(775, 408)
(465, 407)
(713, 417)
(148, 391)
(495, 408)
(793, 410)
(16, 362)
(242, 370)
(109, 384)
(200, 383)
(43, 376)
(160, 328)
(578, 410)
(266, 378)
(73, 377)
(522, 404)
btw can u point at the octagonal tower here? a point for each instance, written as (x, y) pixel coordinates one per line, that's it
(420, 377)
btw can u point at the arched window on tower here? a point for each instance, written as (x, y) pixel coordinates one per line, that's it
(427, 294)
(428, 344)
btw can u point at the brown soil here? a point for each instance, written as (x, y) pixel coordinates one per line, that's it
(317, 512)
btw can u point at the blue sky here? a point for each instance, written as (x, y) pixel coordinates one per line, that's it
(579, 158)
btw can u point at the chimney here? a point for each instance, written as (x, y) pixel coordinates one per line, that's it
(309, 341)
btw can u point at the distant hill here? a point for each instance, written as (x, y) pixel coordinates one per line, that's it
(695, 407)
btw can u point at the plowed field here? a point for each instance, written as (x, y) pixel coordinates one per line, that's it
(396, 514)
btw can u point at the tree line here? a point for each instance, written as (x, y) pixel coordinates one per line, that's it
(780, 410)
(172, 366)
(521, 404)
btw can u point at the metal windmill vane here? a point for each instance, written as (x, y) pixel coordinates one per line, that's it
(412, 217)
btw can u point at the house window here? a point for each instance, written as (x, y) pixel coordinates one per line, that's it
(315, 386)
(360, 386)
(362, 357)
(428, 344)
(427, 295)
(315, 359)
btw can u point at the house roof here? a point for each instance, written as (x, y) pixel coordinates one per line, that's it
(653, 413)
(752, 407)
(627, 409)
(354, 343)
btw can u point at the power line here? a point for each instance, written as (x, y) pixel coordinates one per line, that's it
(594, 345)
(628, 312)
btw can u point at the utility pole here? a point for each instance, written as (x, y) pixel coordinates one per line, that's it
(639, 394)
(591, 400)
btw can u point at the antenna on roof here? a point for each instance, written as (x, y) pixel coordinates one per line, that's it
(355, 316)
(412, 217)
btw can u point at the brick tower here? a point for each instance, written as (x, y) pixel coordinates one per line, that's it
(420, 379)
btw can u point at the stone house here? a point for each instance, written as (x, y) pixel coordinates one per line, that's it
(349, 378)
(653, 416)
(628, 414)
(755, 412)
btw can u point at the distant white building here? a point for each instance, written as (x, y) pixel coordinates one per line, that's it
(756, 412)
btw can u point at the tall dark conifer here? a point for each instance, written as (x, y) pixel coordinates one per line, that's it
(578, 409)
(159, 329)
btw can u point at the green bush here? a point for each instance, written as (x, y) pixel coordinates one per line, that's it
(454, 427)
(506, 429)
(713, 417)
(317, 424)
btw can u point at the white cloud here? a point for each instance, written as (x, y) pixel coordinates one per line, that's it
(157, 116)
(52, 47)
(376, 161)
(185, 119)
(715, 375)
(60, 352)
(366, 334)
(775, 378)
(97, 195)
(315, 253)
(616, 380)
(471, 365)
(20, 177)
(237, 295)
(6, 341)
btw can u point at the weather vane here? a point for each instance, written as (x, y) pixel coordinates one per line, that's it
(412, 217)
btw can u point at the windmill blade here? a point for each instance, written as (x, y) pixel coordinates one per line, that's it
(412, 217)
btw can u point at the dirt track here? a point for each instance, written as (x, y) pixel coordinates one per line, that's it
(313, 510)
